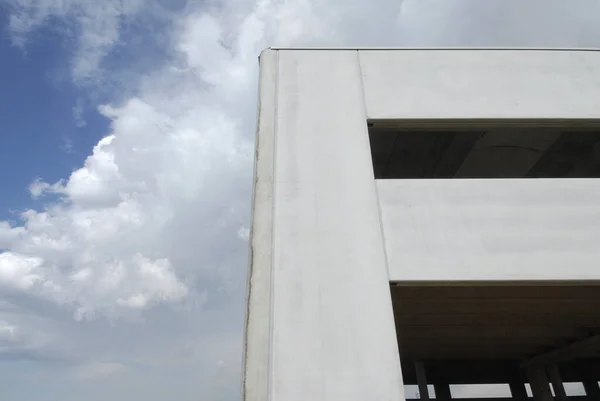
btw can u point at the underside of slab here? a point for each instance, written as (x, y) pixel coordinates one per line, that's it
(485, 152)
(503, 333)
(505, 321)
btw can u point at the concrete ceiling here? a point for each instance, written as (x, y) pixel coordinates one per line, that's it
(492, 323)
(485, 153)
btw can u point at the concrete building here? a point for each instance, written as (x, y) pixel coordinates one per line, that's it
(424, 217)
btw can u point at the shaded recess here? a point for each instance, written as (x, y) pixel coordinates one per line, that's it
(480, 152)
(476, 334)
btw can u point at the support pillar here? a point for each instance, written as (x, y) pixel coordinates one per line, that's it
(590, 384)
(422, 381)
(557, 384)
(442, 391)
(538, 380)
(517, 387)
(591, 389)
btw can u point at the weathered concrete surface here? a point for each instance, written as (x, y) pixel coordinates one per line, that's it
(257, 336)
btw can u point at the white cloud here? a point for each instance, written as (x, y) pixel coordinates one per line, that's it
(7, 331)
(39, 188)
(158, 204)
(510, 23)
(67, 145)
(8, 234)
(19, 272)
(94, 26)
(78, 117)
(243, 233)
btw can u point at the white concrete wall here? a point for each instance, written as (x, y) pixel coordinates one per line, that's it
(489, 84)
(320, 324)
(325, 334)
(491, 230)
(257, 335)
(318, 273)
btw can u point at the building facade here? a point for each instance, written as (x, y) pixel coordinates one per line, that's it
(424, 217)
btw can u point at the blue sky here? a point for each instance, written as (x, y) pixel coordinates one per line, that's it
(38, 123)
(126, 279)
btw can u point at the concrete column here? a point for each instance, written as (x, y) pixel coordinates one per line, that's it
(540, 387)
(590, 383)
(591, 389)
(557, 384)
(517, 387)
(422, 380)
(307, 244)
(442, 391)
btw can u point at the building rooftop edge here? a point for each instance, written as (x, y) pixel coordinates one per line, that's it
(583, 49)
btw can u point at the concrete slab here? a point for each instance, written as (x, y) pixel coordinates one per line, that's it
(491, 230)
(475, 84)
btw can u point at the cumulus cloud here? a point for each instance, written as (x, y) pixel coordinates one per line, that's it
(127, 228)
(149, 222)
(19, 272)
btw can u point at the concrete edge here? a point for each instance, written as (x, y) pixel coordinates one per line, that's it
(255, 362)
(583, 49)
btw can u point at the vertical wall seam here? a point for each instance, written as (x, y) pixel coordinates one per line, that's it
(362, 85)
(380, 216)
(364, 102)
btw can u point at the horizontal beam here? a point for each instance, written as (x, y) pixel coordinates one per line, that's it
(490, 371)
(569, 352)
(381, 126)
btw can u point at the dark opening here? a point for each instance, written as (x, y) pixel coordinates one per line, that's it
(482, 334)
(484, 152)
